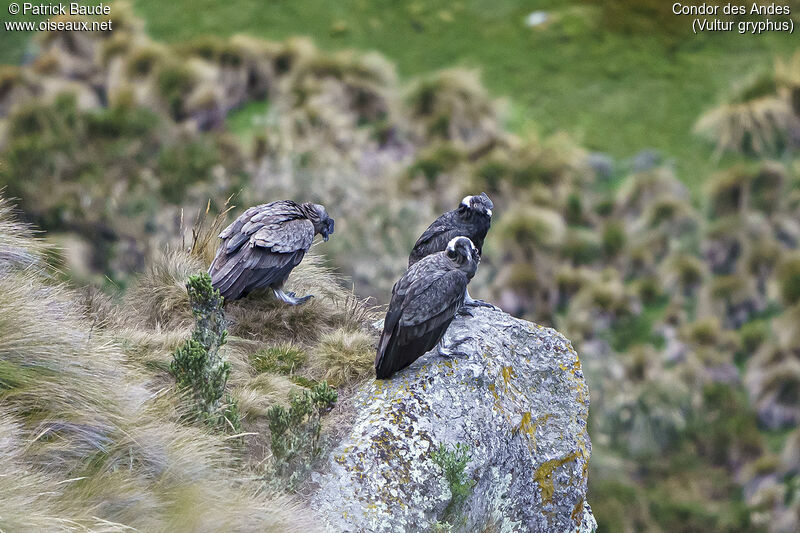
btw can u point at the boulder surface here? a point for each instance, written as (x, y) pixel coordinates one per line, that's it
(515, 395)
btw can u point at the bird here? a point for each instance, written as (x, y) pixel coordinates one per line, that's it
(262, 246)
(472, 219)
(424, 302)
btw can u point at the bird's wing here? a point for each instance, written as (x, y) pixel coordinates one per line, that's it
(254, 268)
(284, 236)
(435, 238)
(427, 309)
(277, 237)
(279, 224)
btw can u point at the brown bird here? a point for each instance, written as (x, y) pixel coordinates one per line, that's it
(261, 247)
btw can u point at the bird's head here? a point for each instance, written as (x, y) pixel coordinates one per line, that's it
(479, 203)
(461, 251)
(323, 223)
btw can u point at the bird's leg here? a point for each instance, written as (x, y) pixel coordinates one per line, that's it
(470, 302)
(449, 352)
(290, 298)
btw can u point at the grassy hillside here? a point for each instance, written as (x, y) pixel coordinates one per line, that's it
(618, 90)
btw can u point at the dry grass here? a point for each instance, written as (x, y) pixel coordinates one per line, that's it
(18, 248)
(755, 120)
(262, 317)
(345, 356)
(206, 230)
(158, 300)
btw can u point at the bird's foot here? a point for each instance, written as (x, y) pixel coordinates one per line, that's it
(479, 303)
(290, 298)
(302, 300)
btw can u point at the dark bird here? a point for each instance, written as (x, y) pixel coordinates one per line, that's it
(471, 219)
(261, 247)
(424, 302)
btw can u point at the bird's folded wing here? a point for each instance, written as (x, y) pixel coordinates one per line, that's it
(437, 236)
(283, 218)
(432, 305)
(285, 236)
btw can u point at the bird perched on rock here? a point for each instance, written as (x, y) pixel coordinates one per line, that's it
(471, 219)
(424, 302)
(261, 247)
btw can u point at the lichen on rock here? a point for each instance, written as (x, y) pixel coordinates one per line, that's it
(516, 397)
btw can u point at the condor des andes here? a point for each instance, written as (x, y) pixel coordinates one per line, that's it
(471, 219)
(424, 302)
(263, 245)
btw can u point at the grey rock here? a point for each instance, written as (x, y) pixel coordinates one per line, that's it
(516, 396)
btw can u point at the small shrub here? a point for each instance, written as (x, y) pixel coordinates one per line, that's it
(435, 162)
(295, 432)
(753, 334)
(573, 211)
(453, 461)
(614, 238)
(197, 365)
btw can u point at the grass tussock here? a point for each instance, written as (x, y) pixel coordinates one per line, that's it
(18, 248)
(157, 300)
(262, 317)
(345, 356)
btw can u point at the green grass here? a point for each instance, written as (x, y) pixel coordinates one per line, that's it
(244, 121)
(612, 92)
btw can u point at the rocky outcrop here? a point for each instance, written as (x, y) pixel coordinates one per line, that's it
(516, 397)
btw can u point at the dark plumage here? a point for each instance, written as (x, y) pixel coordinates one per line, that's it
(261, 247)
(471, 219)
(424, 302)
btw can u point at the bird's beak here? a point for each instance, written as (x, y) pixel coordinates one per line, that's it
(489, 212)
(325, 237)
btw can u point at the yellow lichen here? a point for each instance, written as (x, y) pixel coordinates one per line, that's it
(577, 513)
(544, 474)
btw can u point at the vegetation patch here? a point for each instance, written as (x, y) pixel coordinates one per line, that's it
(197, 365)
(295, 432)
(453, 461)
